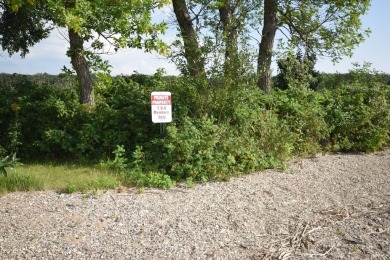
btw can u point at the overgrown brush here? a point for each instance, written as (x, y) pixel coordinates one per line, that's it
(220, 129)
(358, 117)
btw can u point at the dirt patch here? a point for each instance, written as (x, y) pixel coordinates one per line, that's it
(332, 206)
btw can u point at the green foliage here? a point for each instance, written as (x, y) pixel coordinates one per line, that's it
(149, 179)
(219, 130)
(296, 71)
(20, 182)
(330, 28)
(228, 133)
(101, 183)
(301, 111)
(22, 29)
(123, 24)
(120, 161)
(358, 113)
(8, 162)
(146, 174)
(193, 150)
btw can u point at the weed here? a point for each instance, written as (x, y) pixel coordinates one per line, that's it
(71, 188)
(120, 162)
(190, 183)
(10, 162)
(103, 182)
(150, 179)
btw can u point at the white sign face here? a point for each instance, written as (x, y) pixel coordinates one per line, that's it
(161, 107)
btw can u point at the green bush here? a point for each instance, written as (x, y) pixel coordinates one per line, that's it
(301, 112)
(119, 163)
(220, 128)
(358, 111)
(195, 149)
(358, 117)
(238, 137)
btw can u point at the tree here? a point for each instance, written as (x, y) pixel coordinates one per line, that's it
(270, 26)
(192, 51)
(323, 27)
(104, 26)
(212, 33)
(23, 28)
(235, 18)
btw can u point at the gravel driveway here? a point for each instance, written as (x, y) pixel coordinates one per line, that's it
(331, 206)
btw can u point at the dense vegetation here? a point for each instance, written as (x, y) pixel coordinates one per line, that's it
(230, 116)
(219, 130)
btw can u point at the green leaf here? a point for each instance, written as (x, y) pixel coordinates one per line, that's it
(4, 172)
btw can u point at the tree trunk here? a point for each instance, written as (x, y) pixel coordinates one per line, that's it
(81, 66)
(267, 44)
(192, 52)
(230, 38)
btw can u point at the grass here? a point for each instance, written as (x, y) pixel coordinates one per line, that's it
(65, 178)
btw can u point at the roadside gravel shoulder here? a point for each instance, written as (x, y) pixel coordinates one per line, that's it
(334, 206)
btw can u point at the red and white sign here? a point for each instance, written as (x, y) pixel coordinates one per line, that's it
(161, 107)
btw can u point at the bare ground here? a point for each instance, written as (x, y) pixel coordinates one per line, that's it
(332, 206)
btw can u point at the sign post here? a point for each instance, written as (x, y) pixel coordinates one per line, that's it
(161, 104)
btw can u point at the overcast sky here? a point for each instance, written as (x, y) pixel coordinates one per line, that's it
(49, 56)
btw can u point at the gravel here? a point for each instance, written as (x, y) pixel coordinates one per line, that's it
(330, 206)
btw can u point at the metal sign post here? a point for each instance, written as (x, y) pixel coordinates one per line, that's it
(162, 129)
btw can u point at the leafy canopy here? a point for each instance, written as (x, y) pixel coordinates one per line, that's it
(119, 23)
(21, 26)
(329, 28)
(105, 25)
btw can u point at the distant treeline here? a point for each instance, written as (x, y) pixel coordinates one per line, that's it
(323, 80)
(330, 80)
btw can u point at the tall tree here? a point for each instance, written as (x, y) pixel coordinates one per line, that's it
(100, 26)
(211, 32)
(192, 51)
(82, 68)
(234, 17)
(105, 25)
(270, 26)
(230, 29)
(323, 27)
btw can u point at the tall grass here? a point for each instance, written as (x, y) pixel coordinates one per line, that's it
(65, 178)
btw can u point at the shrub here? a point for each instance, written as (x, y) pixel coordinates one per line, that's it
(146, 173)
(205, 149)
(358, 111)
(358, 117)
(221, 128)
(301, 112)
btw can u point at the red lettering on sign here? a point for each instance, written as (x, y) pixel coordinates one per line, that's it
(161, 100)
